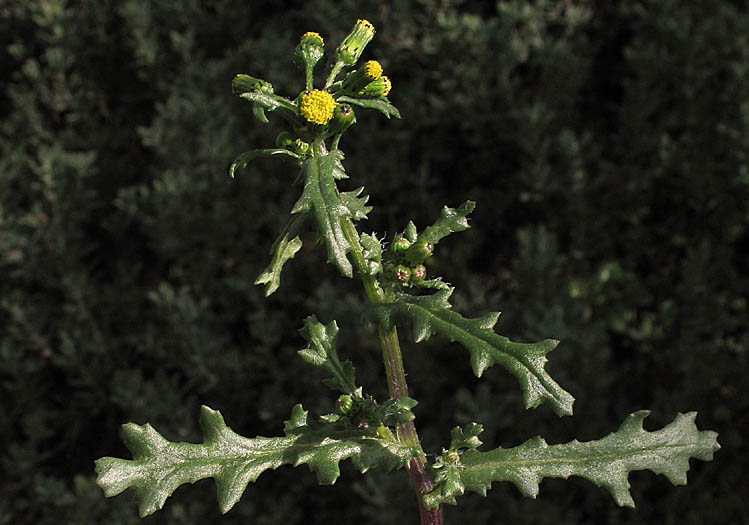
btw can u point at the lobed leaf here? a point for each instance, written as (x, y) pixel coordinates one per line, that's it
(321, 351)
(283, 250)
(606, 462)
(159, 466)
(432, 314)
(320, 198)
(451, 220)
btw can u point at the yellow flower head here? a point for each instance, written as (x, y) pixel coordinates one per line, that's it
(373, 70)
(317, 106)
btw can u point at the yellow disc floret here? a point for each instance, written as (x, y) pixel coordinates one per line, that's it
(373, 70)
(317, 106)
(309, 35)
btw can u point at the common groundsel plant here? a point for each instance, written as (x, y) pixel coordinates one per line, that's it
(381, 433)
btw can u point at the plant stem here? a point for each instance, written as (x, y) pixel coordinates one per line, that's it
(396, 375)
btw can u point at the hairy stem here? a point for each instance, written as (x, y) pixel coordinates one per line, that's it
(396, 375)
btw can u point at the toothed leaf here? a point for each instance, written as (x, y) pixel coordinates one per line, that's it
(321, 200)
(372, 252)
(451, 220)
(322, 352)
(159, 466)
(356, 205)
(432, 314)
(283, 250)
(606, 462)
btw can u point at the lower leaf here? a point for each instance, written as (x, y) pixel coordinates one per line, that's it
(159, 466)
(606, 462)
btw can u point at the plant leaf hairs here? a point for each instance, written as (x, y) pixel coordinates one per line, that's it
(381, 433)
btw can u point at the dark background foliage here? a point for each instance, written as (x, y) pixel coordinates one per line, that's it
(605, 142)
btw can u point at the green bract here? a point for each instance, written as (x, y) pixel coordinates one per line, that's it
(382, 433)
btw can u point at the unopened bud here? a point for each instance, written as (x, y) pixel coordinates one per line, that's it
(418, 273)
(353, 45)
(402, 273)
(343, 117)
(377, 88)
(419, 251)
(309, 51)
(401, 245)
(360, 78)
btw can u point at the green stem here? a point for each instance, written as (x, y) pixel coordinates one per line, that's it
(334, 73)
(394, 370)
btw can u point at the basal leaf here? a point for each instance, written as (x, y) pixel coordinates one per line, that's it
(321, 200)
(160, 466)
(606, 462)
(432, 314)
(383, 105)
(322, 352)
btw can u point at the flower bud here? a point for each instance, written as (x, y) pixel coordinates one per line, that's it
(359, 78)
(401, 245)
(245, 83)
(352, 46)
(309, 51)
(401, 273)
(345, 404)
(419, 251)
(418, 273)
(343, 117)
(376, 88)
(317, 106)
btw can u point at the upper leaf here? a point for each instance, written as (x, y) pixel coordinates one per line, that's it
(321, 200)
(606, 462)
(242, 160)
(383, 105)
(159, 466)
(321, 351)
(451, 220)
(432, 314)
(283, 250)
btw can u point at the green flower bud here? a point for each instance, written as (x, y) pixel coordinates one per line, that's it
(401, 245)
(352, 46)
(309, 51)
(401, 273)
(343, 117)
(359, 78)
(345, 404)
(245, 83)
(418, 273)
(419, 251)
(376, 88)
